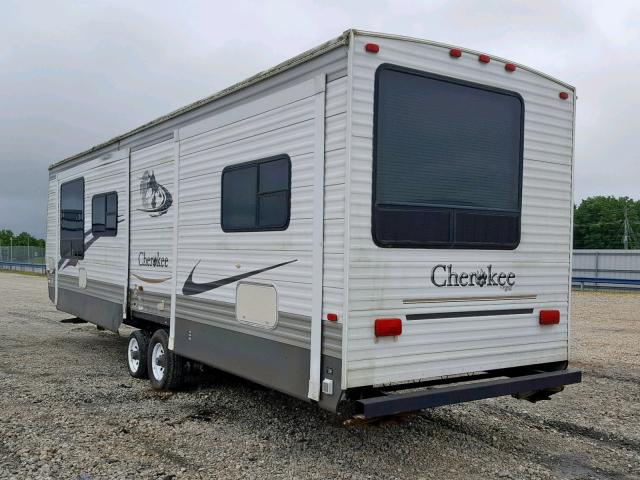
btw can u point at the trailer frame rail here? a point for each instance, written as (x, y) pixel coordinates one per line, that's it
(394, 403)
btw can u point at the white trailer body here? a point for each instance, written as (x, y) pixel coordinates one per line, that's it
(374, 213)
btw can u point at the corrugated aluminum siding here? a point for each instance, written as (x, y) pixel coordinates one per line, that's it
(103, 260)
(281, 121)
(380, 279)
(51, 247)
(151, 233)
(237, 125)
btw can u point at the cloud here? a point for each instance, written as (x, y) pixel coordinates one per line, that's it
(74, 75)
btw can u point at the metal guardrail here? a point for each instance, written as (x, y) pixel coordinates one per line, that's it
(620, 281)
(602, 282)
(606, 269)
(23, 267)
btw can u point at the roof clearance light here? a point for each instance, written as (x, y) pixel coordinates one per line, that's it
(455, 52)
(372, 47)
(549, 317)
(332, 317)
(388, 327)
(484, 58)
(563, 95)
(510, 67)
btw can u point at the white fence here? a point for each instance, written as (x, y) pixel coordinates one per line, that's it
(606, 268)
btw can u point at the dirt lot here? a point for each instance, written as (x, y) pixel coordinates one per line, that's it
(68, 409)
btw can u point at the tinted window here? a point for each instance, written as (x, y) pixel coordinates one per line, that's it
(239, 198)
(112, 212)
(447, 162)
(72, 219)
(255, 195)
(274, 175)
(273, 209)
(104, 215)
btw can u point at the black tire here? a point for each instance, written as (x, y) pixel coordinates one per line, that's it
(142, 339)
(172, 376)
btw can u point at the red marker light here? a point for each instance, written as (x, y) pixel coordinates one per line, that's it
(388, 327)
(332, 317)
(549, 317)
(484, 58)
(372, 47)
(455, 52)
(563, 95)
(510, 67)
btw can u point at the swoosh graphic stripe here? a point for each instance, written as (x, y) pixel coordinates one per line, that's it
(192, 288)
(151, 280)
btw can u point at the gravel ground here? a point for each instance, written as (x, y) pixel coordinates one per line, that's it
(68, 409)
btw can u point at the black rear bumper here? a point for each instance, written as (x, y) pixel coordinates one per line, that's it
(393, 403)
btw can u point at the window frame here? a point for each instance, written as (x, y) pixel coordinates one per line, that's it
(451, 244)
(106, 232)
(72, 257)
(258, 194)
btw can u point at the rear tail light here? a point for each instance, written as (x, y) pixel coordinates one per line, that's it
(455, 52)
(372, 47)
(510, 67)
(549, 317)
(388, 327)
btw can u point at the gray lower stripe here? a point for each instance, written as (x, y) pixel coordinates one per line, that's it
(271, 363)
(291, 329)
(95, 288)
(98, 311)
(476, 313)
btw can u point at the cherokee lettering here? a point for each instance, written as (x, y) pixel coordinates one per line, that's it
(433, 275)
(156, 261)
(446, 276)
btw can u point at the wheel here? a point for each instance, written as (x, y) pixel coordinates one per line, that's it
(166, 369)
(137, 354)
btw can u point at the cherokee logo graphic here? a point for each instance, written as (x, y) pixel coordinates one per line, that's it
(156, 199)
(480, 278)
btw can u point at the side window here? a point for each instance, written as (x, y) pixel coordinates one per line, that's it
(72, 219)
(256, 195)
(104, 215)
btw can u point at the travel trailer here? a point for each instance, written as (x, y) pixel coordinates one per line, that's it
(376, 215)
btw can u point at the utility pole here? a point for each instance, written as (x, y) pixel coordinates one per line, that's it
(628, 230)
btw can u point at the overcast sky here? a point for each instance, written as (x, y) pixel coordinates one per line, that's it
(73, 75)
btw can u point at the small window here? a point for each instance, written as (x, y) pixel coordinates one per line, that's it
(72, 219)
(104, 215)
(256, 195)
(447, 162)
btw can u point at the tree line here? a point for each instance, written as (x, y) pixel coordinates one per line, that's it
(599, 223)
(7, 237)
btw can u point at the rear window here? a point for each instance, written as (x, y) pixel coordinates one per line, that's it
(447, 162)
